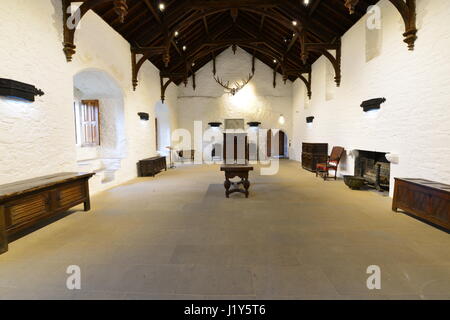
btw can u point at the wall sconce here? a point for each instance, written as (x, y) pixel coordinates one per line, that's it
(253, 124)
(309, 119)
(372, 104)
(281, 120)
(20, 90)
(215, 124)
(144, 116)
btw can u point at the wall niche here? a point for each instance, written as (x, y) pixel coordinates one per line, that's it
(373, 33)
(105, 159)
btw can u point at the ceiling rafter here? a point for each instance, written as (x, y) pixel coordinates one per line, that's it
(293, 34)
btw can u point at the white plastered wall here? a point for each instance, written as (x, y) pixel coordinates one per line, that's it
(39, 138)
(258, 100)
(415, 120)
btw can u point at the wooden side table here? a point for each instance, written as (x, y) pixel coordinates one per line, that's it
(236, 170)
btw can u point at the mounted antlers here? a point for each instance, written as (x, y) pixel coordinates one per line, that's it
(238, 86)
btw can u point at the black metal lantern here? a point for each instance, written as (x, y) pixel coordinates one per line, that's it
(19, 90)
(254, 123)
(144, 116)
(372, 104)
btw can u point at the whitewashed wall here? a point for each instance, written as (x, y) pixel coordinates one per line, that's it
(258, 101)
(414, 122)
(39, 138)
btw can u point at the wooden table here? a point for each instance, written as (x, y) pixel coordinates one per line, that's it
(236, 170)
(25, 203)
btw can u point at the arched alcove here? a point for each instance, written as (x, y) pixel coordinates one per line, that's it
(162, 127)
(104, 158)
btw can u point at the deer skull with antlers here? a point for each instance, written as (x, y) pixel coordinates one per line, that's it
(237, 85)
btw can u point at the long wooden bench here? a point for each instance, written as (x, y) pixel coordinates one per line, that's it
(25, 203)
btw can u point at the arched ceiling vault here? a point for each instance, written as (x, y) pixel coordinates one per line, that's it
(188, 34)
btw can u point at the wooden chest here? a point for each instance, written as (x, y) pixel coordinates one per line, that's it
(151, 166)
(24, 203)
(312, 154)
(425, 199)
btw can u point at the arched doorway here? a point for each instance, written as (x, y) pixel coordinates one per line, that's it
(277, 143)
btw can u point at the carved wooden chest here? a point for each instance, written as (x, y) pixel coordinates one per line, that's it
(425, 199)
(312, 154)
(24, 203)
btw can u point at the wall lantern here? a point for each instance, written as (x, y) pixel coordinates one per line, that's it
(372, 104)
(144, 116)
(20, 90)
(215, 124)
(309, 119)
(254, 124)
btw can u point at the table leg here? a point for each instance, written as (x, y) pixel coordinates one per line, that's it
(227, 185)
(246, 184)
(3, 236)
(87, 203)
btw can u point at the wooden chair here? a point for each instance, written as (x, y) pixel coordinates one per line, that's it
(186, 154)
(332, 163)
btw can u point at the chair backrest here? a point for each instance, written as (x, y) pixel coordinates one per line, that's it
(336, 154)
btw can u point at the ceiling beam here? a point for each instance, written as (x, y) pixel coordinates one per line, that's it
(202, 4)
(153, 11)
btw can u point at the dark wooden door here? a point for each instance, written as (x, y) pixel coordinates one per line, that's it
(269, 143)
(235, 147)
(281, 136)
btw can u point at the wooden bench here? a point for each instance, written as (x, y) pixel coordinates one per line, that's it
(24, 203)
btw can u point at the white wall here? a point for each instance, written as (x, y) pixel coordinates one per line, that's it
(258, 101)
(414, 122)
(39, 138)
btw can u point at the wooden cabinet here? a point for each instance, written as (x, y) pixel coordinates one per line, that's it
(312, 154)
(425, 199)
(24, 203)
(151, 166)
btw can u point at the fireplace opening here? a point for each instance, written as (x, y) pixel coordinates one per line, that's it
(374, 168)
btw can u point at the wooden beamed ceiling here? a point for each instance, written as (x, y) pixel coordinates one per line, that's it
(188, 34)
(263, 28)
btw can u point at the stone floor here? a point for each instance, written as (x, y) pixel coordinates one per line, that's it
(176, 236)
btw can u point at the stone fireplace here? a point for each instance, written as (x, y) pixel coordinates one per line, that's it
(374, 167)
